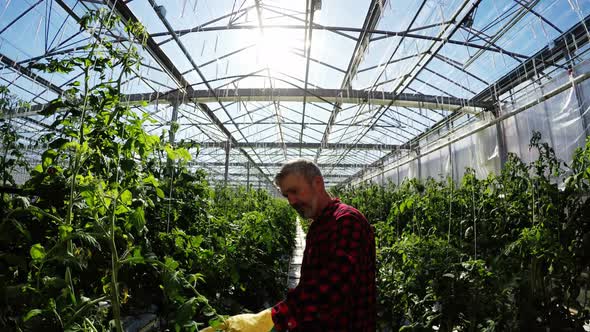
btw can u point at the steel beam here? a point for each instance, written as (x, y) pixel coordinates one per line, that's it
(232, 176)
(242, 182)
(307, 49)
(305, 145)
(502, 31)
(423, 62)
(159, 55)
(434, 48)
(499, 119)
(161, 15)
(28, 73)
(530, 9)
(277, 165)
(270, 82)
(341, 29)
(371, 20)
(25, 12)
(330, 96)
(574, 38)
(202, 26)
(384, 68)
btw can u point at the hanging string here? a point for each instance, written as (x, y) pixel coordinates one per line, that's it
(183, 8)
(533, 199)
(171, 164)
(450, 210)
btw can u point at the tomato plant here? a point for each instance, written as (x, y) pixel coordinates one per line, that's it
(112, 221)
(506, 252)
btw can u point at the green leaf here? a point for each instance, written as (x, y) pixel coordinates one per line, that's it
(52, 107)
(402, 207)
(71, 145)
(47, 158)
(160, 193)
(127, 165)
(137, 218)
(38, 169)
(179, 242)
(32, 314)
(88, 195)
(121, 209)
(171, 152)
(126, 197)
(196, 241)
(135, 260)
(58, 143)
(87, 239)
(215, 322)
(186, 311)
(183, 154)
(54, 282)
(170, 263)
(65, 231)
(37, 252)
(151, 180)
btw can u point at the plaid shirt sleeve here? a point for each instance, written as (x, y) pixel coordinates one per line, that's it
(335, 272)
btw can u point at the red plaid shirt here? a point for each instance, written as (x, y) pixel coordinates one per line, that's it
(336, 291)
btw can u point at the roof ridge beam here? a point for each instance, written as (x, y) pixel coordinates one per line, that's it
(330, 96)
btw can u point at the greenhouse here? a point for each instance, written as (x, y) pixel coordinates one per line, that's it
(141, 142)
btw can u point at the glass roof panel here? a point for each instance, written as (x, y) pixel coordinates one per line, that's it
(254, 54)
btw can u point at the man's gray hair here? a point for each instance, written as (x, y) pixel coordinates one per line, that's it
(304, 167)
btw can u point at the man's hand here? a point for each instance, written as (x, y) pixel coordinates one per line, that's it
(260, 322)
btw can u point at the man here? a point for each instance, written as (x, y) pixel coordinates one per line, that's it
(336, 290)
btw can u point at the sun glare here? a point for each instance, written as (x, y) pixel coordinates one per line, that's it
(276, 48)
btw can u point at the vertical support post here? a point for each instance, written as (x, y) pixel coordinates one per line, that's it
(226, 174)
(547, 117)
(501, 139)
(451, 159)
(419, 162)
(248, 176)
(580, 98)
(502, 150)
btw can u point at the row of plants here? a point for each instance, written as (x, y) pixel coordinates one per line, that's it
(112, 222)
(510, 252)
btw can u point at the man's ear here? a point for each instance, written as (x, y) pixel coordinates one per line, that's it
(318, 182)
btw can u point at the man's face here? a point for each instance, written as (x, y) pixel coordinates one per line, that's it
(301, 194)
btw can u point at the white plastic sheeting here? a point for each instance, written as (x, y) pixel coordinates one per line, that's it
(559, 120)
(562, 121)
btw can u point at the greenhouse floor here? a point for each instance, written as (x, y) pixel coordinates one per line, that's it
(296, 258)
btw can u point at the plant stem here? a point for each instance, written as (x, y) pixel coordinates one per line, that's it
(115, 262)
(114, 286)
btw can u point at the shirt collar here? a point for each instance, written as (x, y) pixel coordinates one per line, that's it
(328, 209)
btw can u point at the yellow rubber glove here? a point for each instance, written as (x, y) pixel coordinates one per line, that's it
(260, 322)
